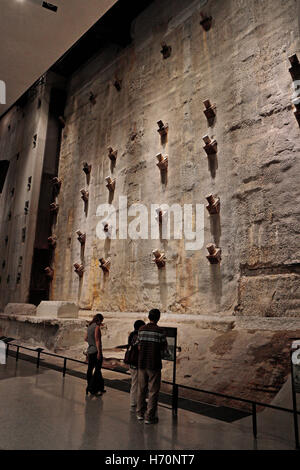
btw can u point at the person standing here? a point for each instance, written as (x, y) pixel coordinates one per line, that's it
(95, 382)
(151, 343)
(133, 363)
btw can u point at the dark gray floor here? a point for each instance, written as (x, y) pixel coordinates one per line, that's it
(122, 383)
(41, 410)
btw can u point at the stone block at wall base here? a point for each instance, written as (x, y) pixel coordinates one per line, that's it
(275, 295)
(20, 309)
(50, 333)
(57, 309)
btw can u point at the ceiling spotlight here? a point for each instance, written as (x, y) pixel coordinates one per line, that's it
(49, 6)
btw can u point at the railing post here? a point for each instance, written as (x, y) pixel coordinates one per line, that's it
(17, 353)
(254, 421)
(295, 414)
(7, 348)
(175, 400)
(38, 360)
(175, 386)
(65, 366)
(296, 429)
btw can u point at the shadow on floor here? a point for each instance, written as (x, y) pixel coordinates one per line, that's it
(222, 413)
(7, 373)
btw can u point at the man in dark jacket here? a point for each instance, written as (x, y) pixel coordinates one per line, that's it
(151, 342)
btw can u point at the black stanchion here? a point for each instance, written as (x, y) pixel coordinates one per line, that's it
(254, 420)
(295, 414)
(65, 366)
(175, 400)
(17, 353)
(39, 350)
(38, 359)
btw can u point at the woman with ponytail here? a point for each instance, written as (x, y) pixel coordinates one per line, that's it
(95, 382)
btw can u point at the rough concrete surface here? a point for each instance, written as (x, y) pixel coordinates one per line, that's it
(49, 333)
(241, 65)
(20, 309)
(57, 309)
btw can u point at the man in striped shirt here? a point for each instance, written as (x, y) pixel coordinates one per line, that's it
(151, 343)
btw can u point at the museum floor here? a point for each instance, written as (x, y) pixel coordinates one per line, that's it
(41, 410)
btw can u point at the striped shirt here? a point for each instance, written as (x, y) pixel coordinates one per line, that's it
(152, 341)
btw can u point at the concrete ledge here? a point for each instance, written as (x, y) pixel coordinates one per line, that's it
(62, 333)
(43, 320)
(213, 322)
(50, 333)
(57, 309)
(267, 323)
(20, 309)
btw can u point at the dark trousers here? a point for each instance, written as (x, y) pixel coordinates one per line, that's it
(94, 376)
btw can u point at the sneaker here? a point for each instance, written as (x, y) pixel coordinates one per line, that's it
(140, 417)
(151, 421)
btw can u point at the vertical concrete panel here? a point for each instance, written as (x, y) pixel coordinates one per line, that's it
(26, 160)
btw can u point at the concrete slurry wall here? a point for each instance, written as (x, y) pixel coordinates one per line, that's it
(17, 130)
(241, 65)
(23, 135)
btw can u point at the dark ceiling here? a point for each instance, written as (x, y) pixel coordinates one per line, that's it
(113, 28)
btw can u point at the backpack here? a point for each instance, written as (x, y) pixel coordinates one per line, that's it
(132, 353)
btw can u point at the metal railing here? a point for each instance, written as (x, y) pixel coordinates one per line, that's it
(175, 389)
